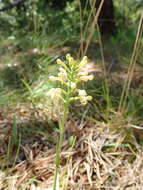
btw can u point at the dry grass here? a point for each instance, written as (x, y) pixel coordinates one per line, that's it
(105, 156)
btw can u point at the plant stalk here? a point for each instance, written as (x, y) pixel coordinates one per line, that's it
(60, 143)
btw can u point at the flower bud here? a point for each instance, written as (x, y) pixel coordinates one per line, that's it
(68, 56)
(89, 98)
(83, 73)
(52, 78)
(82, 93)
(62, 73)
(83, 62)
(60, 62)
(73, 85)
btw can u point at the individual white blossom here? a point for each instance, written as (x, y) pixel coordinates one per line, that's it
(83, 73)
(60, 62)
(83, 62)
(68, 56)
(83, 97)
(62, 74)
(53, 78)
(86, 78)
(73, 85)
(82, 93)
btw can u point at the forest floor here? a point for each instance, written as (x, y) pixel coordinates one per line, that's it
(107, 153)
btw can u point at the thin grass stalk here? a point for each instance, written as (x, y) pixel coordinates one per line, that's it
(81, 30)
(9, 149)
(101, 51)
(93, 27)
(101, 47)
(89, 17)
(69, 158)
(17, 151)
(106, 87)
(84, 31)
(85, 8)
(134, 57)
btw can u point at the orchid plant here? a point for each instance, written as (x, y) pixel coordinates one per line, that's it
(71, 74)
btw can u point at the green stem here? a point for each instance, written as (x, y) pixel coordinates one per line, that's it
(60, 143)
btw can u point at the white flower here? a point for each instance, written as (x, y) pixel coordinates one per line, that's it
(68, 56)
(83, 97)
(60, 62)
(62, 70)
(55, 93)
(53, 78)
(70, 74)
(82, 93)
(73, 85)
(70, 59)
(86, 78)
(62, 73)
(83, 62)
(83, 73)
(88, 98)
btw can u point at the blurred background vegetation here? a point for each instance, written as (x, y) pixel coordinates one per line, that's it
(34, 33)
(28, 19)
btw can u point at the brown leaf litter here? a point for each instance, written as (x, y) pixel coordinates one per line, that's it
(95, 163)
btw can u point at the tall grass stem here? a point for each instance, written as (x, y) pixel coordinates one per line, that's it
(125, 92)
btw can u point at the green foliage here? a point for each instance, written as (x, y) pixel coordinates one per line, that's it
(128, 12)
